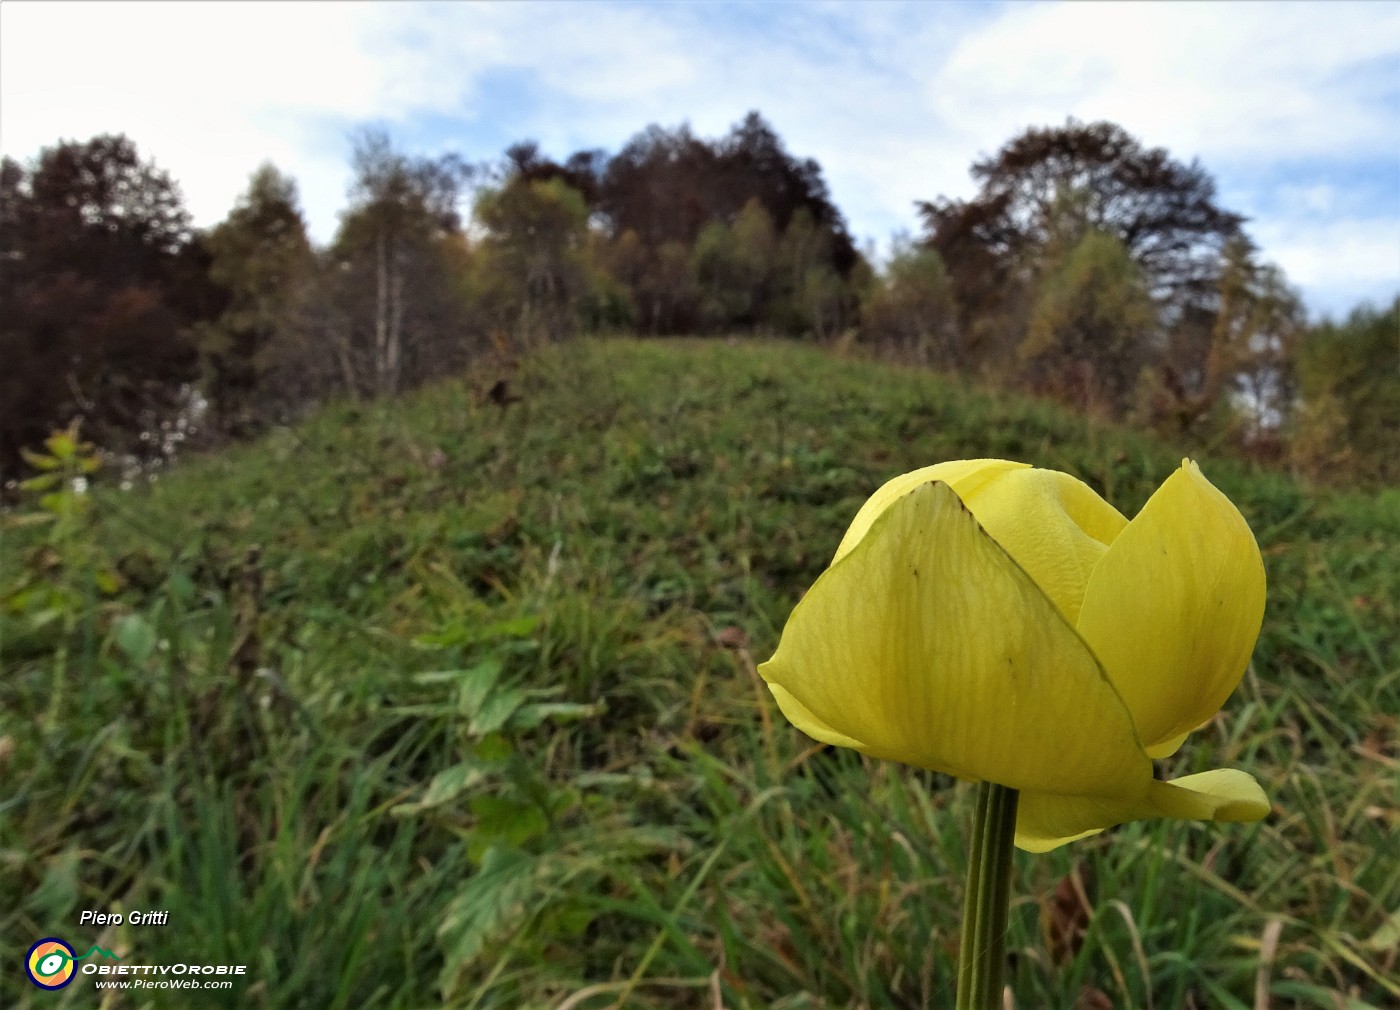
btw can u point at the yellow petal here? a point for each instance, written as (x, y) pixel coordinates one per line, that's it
(801, 716)
(927, 644)
(1224, 794)
(964, 476)
(1053, 524)
(1167, 748)
(1174, 607)
(1045, 821)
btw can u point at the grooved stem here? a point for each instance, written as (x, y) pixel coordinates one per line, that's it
(983, 949)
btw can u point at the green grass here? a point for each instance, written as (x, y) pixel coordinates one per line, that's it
(424, 704)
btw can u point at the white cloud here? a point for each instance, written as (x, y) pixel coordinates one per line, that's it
(1337, 263)
(207, 90)
(1223, 81)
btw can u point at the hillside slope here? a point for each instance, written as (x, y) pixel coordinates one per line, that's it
(433, 703)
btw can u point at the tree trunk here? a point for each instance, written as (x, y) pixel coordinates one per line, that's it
(381, 314)
(394, 351)
(347, 367)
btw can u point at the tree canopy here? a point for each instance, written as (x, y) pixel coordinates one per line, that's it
(262, 257)
(101, 277)
(1089, 266)
(1164, 215)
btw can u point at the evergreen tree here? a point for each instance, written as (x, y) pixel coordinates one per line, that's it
(264, 260)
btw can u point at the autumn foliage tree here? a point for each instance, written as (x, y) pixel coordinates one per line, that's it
(727, 207)
(1091, 318)
(1088, 266)
(531, 272)
(910, 312)
(1348, 376)
(391, 278)
(734, 264)
(1163, 215)
(101, 279)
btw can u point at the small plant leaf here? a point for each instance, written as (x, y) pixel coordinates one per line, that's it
(531, 716)
(488, 905)
(493, 713)
(447, 785)
(38, 460)
(135, 637)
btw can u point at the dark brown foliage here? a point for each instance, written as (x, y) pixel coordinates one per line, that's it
(101, 279)
(1163, 212)
(664, 187)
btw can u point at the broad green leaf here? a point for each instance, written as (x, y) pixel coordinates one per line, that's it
(495, 711)
(486, 908)
(135, 637)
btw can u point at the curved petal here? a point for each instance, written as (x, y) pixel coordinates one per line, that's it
(801, 716)
(964, 476)
(1053, 524)
(927, 644)
(1222, 794)
(1166, 748)
(1175, 605)
(1045, 821)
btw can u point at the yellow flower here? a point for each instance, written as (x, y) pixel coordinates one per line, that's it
(998, 622)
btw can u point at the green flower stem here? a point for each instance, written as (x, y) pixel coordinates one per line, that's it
(983, 949)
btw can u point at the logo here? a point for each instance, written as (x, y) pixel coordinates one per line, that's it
(50, 962)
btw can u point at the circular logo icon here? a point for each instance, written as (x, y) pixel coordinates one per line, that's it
(50, 963)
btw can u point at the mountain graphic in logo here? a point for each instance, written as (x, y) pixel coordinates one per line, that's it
(50, 964)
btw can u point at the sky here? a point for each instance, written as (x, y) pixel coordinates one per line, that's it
(1293, 108)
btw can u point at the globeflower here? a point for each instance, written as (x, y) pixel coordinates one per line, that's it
(1004, 624)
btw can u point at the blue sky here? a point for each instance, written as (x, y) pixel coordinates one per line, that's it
(1293, 108)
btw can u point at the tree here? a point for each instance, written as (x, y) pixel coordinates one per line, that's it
(1090, 322)
(263, 258)
(1349, 384)
(533, 269)
(809, 296)
(1084, 336)
(667, 187)
(719, 277)
(626, 260)
(675, 290)
(733, 265)
(755, 254)
(1236, 364)
(608, 304)
(1162, 213)
(390, 254)
(754, 163)
(910, 310)
(582, 172)
(1258, 325)
(692, 230)
(656, 187)
(102, 280)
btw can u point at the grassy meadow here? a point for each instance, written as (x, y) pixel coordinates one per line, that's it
(429, 703)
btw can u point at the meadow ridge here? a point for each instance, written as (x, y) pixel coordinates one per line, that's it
(438, 702)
